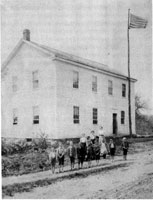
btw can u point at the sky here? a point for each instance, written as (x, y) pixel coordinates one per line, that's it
(93, 29)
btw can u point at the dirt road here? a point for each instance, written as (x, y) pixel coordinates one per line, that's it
(132, 181)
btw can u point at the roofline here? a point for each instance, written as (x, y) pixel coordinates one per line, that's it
(97, 69)
(83, 64)
(56, 57)
(13, 52)
(10, 56)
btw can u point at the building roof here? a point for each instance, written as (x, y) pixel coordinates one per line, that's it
(60, 55)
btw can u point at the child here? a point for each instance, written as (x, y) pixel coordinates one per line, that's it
(103, 149)
(125, 146)
(89, 151)
(83, 140)
(71, 154)
(80, 154)
(112, 148)
(97, 150)
(52, 159)
(60, 156)
(92, 136)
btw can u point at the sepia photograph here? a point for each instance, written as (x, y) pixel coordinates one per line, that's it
(76, 99)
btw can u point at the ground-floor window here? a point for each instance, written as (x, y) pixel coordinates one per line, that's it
(122, 117)
(95, 116)
(29, 139)
(15, 116)
(35, 114)
(75, 114)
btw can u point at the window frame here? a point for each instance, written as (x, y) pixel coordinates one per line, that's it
(110, 87)
(95, 116)
(36, 118)
(75, 79)
(76, 115)
(122, 117)
(94, 83)
(123, 90)
(15, 116)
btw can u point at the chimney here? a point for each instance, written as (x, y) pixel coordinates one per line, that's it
(26, 34)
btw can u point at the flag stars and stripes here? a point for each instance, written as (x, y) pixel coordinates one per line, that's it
(137, 22)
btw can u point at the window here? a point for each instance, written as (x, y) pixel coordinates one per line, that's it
(94, 83)
(14, 83)
(75, 79)
(29, 139)
(75, 115)
(95, 116)
(15, 116)
(123, 90)
(122, 117)
(110, 87)
(35, 115)
(35, 79)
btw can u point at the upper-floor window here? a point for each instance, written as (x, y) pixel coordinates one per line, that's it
(110, 87)
(35, 79)
(14, 83)
(35, 114)
(95, 116)
(75, 114)
(94, 83)
(122, 117)
(123, 90)
(15, 116)
(75, 79)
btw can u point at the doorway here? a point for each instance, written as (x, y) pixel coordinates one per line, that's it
(115, 127)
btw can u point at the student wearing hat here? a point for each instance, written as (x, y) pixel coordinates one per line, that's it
(112, 148)
(125, 147)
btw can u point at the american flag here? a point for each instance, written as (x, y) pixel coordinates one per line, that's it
(137, 22)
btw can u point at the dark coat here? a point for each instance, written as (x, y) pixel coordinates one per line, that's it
(71, 151)
(81, 152)
(125, 145)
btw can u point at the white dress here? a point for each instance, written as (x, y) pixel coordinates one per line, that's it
(103, 148)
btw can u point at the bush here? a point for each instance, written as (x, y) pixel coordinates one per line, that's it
(22, 146)
(41, 142)
(10, 148)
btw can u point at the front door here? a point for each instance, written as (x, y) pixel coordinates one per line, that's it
(114, 123)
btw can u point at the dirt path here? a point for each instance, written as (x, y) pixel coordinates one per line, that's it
(132, 181)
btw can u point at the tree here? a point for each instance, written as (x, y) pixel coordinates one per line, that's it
(140, 106)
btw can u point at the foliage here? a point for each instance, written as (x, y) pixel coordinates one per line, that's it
(41, 142)
(13, 147)
(21, 146)
(24, 163)
(140, 105)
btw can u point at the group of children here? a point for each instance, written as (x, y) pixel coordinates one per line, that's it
(89, 148)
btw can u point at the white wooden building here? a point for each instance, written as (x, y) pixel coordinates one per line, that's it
(61, 95)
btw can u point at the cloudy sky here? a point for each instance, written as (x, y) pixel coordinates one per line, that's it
(93, 29)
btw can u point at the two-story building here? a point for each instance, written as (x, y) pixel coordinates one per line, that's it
(61, 95)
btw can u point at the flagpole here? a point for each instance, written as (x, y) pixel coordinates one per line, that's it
(129, 78)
